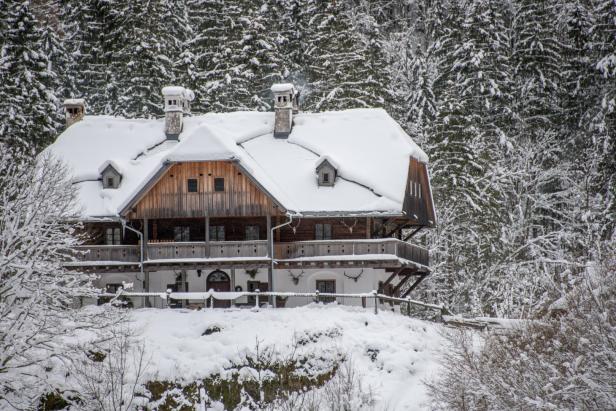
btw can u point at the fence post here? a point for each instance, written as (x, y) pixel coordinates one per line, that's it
(363, 302)
(316, 296)
(376, 302)
(257, 298)
(168, 295)
(408, 310)
(211, 301)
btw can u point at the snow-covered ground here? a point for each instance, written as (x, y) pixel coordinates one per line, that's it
(393, 354)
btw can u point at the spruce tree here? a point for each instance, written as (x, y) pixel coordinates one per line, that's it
(342, 70)
(28, 105)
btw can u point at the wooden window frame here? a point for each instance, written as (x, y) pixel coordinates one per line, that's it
(322, 231)
(216, 231)
(181, 231)
(248, 237)
(217, 186)
(113, 236)
(192, 183)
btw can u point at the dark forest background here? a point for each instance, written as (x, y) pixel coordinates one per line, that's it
(513, 100)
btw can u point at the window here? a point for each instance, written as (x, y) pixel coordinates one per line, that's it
(279, 99)
(169, 102)
(326, 177)
(252, 232)
(414, 189)
(323, 231)
(217, 233)
(110, 182)
(219, 184)
(193, 185)
(327, 286)
(182, 233)
(112, 236)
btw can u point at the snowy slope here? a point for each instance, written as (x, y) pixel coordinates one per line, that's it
(369, 147)
(392, 353)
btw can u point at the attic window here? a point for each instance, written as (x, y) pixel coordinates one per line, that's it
(219, 184)
(192, 185)
(326, 177)
(111, 177)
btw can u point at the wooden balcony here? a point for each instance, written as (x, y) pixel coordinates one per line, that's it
(387, 252)
(339, 251)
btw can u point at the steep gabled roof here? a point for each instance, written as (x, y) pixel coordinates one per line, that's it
(370, 150)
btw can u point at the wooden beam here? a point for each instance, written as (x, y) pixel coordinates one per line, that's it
(398, 227)
(408, 237)
(414, 285)
(392, 276)
(401, 283)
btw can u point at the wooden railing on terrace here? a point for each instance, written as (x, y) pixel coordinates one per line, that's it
(327, 248)
(215, 249)
(282, 251)
(115, 253)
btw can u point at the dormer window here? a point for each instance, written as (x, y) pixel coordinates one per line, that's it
(110, 176)
(326, 172)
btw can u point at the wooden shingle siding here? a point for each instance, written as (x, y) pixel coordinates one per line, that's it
(418, 204)
(169, 197)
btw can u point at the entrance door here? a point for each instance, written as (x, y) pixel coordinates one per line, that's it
(327, 286)
(219, 281)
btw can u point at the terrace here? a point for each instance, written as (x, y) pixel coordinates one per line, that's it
(385, 253)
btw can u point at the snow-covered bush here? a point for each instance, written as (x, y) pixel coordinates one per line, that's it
(568, 362)
(109, 379)
(37, 292)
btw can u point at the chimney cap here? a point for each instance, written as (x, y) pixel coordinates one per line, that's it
(185, 93)
(75, 102)
(282, 87)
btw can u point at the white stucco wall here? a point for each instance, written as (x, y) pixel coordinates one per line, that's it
(367, 279)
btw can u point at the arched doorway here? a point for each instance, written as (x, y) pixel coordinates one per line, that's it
(219, 281)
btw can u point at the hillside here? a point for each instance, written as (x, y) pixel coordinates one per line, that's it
(325, 355)
(391, 354)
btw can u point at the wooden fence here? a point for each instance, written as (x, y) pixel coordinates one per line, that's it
(261, 297)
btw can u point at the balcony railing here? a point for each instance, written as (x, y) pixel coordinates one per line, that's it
(215, 249)
(332, 248)
(325, 249)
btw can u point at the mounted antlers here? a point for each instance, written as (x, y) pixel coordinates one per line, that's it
(296, 277)
(354, 278)
(295, 227)
(350, 227)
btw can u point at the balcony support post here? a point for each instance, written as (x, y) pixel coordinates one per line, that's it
(207, 236)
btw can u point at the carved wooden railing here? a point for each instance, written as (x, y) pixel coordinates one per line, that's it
(327, 248)
(215, 249)
(111, 253)
(230, 249)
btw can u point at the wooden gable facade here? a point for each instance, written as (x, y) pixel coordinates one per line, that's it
(200, 189)
(418, 203)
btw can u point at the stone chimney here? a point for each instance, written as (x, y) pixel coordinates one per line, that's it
(177, 103)
(285, 105)
(74, 110)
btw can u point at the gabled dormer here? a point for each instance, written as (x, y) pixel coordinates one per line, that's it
(327, 171)
(110, 175)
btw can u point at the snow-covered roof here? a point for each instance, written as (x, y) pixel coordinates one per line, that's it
(282, 87)
(370, 150)
(178, 91)
(75, 102)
